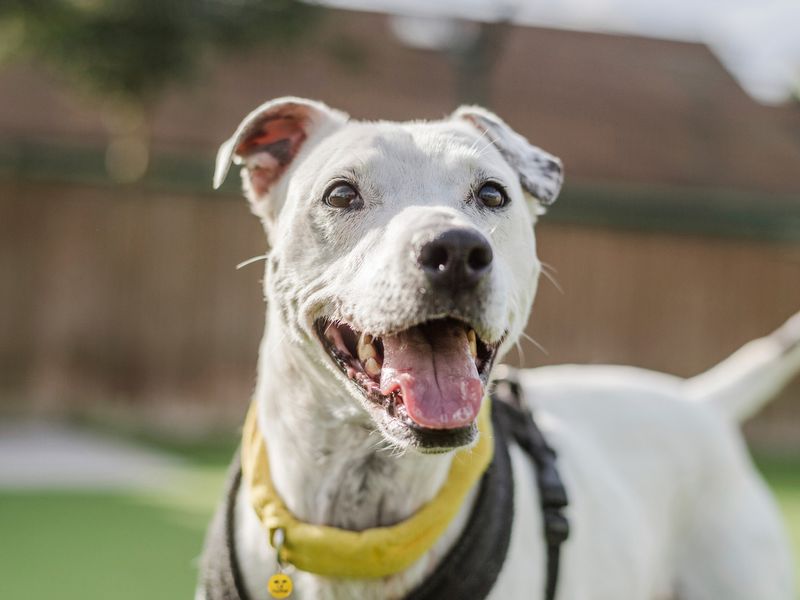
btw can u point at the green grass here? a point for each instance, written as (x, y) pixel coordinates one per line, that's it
(783, 476)
(86, 546)
(83, 545)
(98, 546)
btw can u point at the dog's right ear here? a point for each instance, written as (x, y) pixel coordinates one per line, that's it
(268, 140)
(540, 173)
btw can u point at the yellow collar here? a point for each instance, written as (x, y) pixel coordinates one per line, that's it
(371, 553)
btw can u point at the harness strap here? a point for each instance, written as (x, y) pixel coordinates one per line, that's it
(220, 577)
(552, 493)
(470, 568)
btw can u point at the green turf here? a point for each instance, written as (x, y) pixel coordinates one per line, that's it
(85, 546)
(783, 476)
(104, 546)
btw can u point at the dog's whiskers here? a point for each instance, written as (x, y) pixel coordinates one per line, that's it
(535, 343)
(548, 266)
(487, 146)
(252, 260)
(520, 351)
(474, 144)
(551, 278)
(383, 446)
(397, 452)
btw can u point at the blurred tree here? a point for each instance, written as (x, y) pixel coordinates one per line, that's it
(128, 51)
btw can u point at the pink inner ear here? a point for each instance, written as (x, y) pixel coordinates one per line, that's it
(269, 148)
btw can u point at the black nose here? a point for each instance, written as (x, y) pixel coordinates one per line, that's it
(456, 259)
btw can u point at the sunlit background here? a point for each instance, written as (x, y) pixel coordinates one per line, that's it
(128, 338)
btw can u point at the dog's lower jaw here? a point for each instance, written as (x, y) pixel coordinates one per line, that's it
(335, 470)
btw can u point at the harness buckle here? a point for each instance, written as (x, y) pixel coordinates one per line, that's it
(556, 527)
(553, 493)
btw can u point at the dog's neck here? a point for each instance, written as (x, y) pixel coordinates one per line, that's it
(328, 463)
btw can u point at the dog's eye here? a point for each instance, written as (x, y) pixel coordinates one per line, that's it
(492, 195)
(341, 195)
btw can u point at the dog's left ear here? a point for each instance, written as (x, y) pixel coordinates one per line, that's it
(268, 140)
(540, 173)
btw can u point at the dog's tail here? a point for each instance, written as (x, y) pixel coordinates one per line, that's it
(744, 382)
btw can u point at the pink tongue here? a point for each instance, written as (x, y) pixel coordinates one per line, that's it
(436, 374)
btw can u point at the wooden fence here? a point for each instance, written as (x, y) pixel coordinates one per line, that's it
(126, 300)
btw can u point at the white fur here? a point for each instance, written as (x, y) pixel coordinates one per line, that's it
(664, 502)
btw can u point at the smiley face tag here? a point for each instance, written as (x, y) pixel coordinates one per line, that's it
(280, 585)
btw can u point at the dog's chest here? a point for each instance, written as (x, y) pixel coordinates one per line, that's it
(596, 561)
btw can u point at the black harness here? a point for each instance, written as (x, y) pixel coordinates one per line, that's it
(552, 493)
(470, 569)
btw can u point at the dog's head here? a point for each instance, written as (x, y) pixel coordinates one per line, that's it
(402, 255)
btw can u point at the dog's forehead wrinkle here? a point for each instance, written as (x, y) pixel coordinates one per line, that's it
(403, 145)
(459, 153)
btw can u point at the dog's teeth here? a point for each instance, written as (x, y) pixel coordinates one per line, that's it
(473, 343)
(372, 367)
(365, 348)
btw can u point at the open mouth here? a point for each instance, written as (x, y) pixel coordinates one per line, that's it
(429, 378)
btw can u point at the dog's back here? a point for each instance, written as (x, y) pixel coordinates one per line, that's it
(690, 479)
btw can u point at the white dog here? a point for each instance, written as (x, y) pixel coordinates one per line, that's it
(401, 263)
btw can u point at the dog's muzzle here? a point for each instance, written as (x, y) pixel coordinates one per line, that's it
(424, 370)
